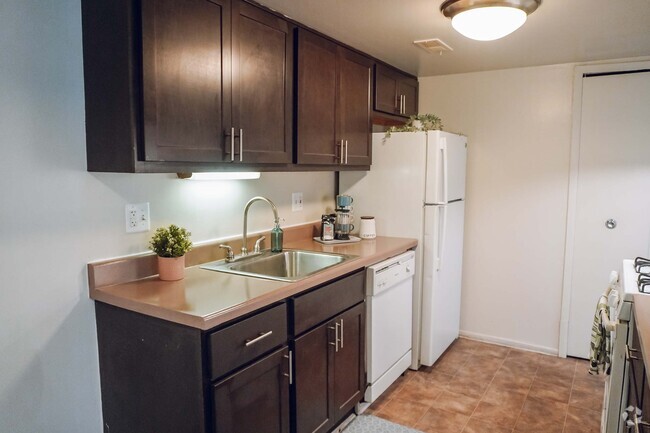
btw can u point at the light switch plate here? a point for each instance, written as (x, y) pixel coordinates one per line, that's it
(137, 218)
(296, 201)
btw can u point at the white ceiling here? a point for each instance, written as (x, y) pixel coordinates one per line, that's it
(560, 31)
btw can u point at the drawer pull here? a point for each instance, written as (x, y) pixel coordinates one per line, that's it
(260, 337)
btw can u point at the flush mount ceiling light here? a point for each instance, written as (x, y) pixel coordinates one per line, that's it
(487, 20)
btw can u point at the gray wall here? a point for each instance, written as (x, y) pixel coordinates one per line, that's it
(55, 218)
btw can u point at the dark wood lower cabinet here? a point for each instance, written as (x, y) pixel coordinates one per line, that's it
(255, 399)
(272, 371)
(330, 371)
(151, 374)
(349, 362)
(313, 382)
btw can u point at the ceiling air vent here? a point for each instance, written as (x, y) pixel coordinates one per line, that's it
(433, 46)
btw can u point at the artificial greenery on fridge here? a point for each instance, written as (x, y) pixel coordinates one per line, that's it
(418, 122)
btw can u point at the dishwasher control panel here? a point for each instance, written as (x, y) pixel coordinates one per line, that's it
(390, 272)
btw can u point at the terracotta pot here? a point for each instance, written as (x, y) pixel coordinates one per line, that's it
(171, 268)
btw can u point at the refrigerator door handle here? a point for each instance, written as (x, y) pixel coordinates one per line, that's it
(445, 170)
(442, 233)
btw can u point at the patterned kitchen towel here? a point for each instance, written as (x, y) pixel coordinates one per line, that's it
(599, 354)
(373, 424)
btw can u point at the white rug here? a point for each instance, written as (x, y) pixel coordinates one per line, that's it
(373, 424)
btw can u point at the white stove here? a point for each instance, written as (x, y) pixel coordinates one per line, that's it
(616, 386)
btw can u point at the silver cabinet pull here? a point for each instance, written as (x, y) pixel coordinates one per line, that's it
(336, 336)
(232, 144)
(404, 104)
(290, 375)
(339, 145)
(241, 145)
(629, 351)
(341, 333)
(260, 337)
(346, 151)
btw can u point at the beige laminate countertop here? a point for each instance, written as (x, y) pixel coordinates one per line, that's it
(642, 318)
(205, 299)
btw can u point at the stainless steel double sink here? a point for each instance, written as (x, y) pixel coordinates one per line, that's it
(288, 265)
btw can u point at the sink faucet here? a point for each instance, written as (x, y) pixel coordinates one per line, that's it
(244, 248)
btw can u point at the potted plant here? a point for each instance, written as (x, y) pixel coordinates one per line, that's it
(171, 244)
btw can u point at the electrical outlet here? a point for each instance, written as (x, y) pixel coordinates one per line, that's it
(296, 201)
(137, 218)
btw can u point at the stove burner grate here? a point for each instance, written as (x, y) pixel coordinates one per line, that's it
(642, 267)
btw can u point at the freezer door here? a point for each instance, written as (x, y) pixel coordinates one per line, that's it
(446, 166)
(441, 282)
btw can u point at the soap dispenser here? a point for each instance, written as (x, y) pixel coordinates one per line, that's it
(276, 238)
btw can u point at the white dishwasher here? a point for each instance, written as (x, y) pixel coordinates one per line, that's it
(389, 296)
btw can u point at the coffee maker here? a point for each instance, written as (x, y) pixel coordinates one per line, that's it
(344, 218)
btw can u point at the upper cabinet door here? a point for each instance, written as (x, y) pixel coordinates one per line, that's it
(186, 77)
(385, 91)
(395, 93)
(316, 101)
(353, 109)
(407, 89)
(262, 105)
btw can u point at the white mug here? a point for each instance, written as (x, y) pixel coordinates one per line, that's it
(367, 228)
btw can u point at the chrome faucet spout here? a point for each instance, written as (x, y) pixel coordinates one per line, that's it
(244, 248)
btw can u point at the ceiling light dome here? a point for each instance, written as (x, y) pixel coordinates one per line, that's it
(487, 20)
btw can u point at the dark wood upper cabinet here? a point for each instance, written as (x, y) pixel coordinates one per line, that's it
(333, 103)
(262, 108)
(316, 100)
(185, 79)
(353, 109)
(395, 92)
(192, 85)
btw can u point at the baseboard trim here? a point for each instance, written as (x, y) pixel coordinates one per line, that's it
(509, 343)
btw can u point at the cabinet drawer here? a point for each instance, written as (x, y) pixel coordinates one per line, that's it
(327, 301)
(244, 341)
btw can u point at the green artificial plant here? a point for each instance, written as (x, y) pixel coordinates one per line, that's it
(418, 122)
(172, 241)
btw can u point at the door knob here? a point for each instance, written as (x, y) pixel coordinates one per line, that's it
(611, 224)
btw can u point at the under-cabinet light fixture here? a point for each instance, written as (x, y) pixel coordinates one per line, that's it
(223, 175)
(487, 20)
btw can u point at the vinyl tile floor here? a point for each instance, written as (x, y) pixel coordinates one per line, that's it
(483, 388)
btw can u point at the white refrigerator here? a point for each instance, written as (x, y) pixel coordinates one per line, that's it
(416, 188)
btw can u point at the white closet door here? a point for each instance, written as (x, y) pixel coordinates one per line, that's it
(613, 184)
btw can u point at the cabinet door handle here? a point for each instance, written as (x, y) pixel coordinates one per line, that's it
(241, 145)
(336, 336)
(629, 351)
(232, 144)
(260, 337)
(341, 333)
(404, 104)
(290, 375)
(346, 152)
(339, 146)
